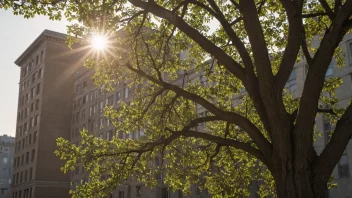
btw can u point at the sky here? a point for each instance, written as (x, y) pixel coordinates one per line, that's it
(16, 34)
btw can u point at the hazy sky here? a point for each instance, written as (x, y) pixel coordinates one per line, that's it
(16, 34)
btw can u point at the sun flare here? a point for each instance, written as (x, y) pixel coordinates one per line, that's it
(99, 42)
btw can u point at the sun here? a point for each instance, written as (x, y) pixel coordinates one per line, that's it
(99, 42)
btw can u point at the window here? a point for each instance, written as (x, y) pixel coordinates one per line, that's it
(40, 74)
(91, 125)
(24, 71)
(84, 84)
(27, 111)
(330, 71)
(84, 100)
(38, 88)
(111, 100)
(77, 117)
(37, 104)
(118, 97)
(32, 122)
(107, 122)
(91, 111)
(21, 177)
(25, 127)
(76, 170)
(291, 83)
(203, 80)
(101, 122)
(165, 193)
(138, 191)
(33, 77)
(27, 157)
(30, 139)
(41, 55)
(197, 190)
(109, 135)
(32, 107)
(125, 91)
(121, 194)
(37, 120)
(35, 137)
(25, 175)
(4, 160)
(180, 193)
(27, 97)
(327, 132)
(343, 166)
(120, 134)
(37, 60)
(101, 106)
(83, 114)
(30, 173)
(32, 92)
(91, 96)
(33, 155)
(350, 49)
(77, 89)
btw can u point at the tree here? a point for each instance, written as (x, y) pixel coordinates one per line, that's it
(267, 135)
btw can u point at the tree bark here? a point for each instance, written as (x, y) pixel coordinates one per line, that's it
(298, 183)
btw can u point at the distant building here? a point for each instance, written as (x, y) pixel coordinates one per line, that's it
(7, 145)
(45, 94)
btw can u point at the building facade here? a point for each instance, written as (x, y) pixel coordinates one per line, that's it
(58, 98)
(45, 94)
(7, 146)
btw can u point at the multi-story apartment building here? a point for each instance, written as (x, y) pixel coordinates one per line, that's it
(7, 146)
(44, 111)
(58, 98)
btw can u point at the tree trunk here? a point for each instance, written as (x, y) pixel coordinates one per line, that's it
(298, 183)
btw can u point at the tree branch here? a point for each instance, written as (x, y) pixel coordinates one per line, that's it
(312, 15)
(305, 48)
(295, 37)
(206, 44)
(314, 82)
(330, 111)
(327, 9)
(253, 132)
(256, 38)
(229, 142)
(327, 160)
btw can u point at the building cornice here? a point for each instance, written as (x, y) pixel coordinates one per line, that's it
(45, 35)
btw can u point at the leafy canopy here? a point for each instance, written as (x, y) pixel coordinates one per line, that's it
(208, 80)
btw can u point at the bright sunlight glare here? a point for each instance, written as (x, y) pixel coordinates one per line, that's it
(99, 42)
